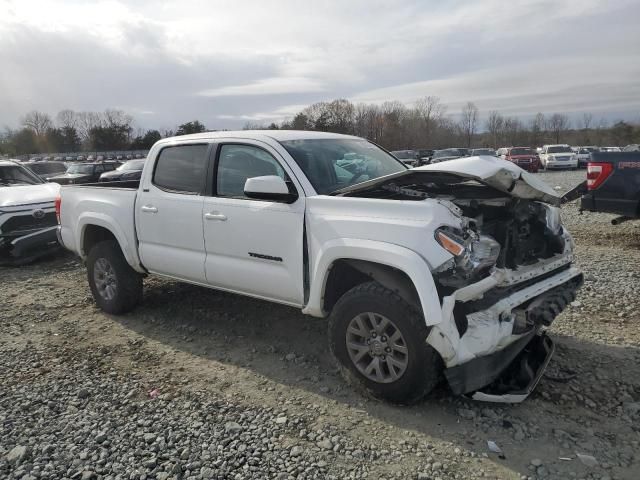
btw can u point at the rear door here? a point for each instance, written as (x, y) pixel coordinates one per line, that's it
(253, 246)
(169, 213)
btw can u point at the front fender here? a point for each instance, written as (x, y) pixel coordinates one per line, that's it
(408, 261)
(127, 245)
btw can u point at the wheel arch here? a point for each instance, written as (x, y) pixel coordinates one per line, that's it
(343, 264)
(93, 229)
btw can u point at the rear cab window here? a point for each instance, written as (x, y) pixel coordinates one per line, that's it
(182, 169)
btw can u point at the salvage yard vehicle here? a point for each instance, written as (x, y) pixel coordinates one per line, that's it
(454, 268)
(583, 154)
(613, 185)
(130, 170)
(83, 173)
(408, 157)
(558, 156)
(525, 157)
(46, 169)
(27, 214)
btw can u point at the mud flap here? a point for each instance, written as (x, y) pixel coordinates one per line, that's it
(520, 378)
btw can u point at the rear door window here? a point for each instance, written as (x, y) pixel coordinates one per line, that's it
(182, 169)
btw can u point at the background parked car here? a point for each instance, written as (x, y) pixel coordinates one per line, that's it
(525, 157)
(131, 170)
(27, 218)
(446, 154)
(558, 156)
(584, 154)
(632, 148)
(483, 151)
(424, 155)
(46, 169)
(83, 173)
(408, 157)
(610, 149)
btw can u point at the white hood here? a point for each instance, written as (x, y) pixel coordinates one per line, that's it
(494, 172)
(501, 175)
(28, 194)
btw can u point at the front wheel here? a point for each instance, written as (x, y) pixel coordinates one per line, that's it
(380, 342)
(116, 287)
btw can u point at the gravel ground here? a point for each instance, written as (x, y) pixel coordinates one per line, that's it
(198, 384)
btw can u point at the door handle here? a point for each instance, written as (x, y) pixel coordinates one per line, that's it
(215, 216)
(149, 209)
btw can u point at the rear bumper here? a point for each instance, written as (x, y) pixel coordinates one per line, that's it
(595, 203)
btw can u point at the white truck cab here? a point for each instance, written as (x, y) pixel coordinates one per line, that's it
(456, 267)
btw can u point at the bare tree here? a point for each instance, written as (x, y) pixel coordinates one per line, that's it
(67, 119)
(469, 122)
(587, 118)
(558, 124)
(86, 121)
(39, 122)
(494, 127)
(430, 111)
(538, 129)
(513, 131)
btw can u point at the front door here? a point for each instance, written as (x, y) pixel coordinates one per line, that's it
(169, 213)
(253, 246)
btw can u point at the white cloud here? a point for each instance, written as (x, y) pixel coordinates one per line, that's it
(267, 86)
(232, 60)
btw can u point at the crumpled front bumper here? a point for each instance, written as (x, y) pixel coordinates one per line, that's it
(30, 247)
(509, 331)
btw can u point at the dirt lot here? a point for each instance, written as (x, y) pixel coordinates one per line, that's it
(202, 384)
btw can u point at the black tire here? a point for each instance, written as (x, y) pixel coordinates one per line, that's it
(424, 367)
(128, 282)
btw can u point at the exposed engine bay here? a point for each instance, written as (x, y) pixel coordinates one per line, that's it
(497, 230)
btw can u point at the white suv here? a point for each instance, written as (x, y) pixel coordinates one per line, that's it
(558, 156)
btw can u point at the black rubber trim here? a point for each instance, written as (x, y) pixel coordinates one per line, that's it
(480, 372)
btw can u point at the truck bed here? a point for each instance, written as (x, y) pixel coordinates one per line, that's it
(105, 204)
(619, 193)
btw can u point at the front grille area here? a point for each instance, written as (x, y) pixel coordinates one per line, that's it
(27, 223)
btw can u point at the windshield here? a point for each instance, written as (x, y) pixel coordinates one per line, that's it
(131, 165)
(521, 151)
(82, 169)
(16, 175)
(559, 149)
(404, 154)
(449, 152)
(334, 163)
(46, 168)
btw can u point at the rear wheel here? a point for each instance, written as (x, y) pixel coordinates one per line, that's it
(380, 342)
(116, 287)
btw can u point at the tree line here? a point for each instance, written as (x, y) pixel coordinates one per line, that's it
(73, 131)
(427, 124)
(394, 125)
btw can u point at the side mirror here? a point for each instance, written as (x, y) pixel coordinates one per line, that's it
(271, 188)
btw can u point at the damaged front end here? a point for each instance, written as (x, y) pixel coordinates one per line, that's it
(509, 274)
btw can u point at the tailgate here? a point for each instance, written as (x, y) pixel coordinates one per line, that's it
(613, 183)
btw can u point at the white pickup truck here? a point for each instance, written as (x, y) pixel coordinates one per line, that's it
(453, 268)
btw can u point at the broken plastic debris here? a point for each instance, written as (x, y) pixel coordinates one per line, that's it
(566, 459)
(587, 460)
(493, 446)
(154, 393)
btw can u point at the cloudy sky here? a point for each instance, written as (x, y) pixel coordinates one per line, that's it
(229, 62)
